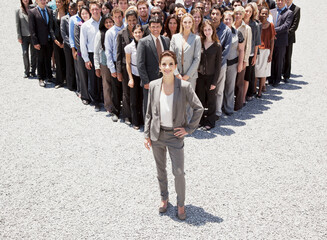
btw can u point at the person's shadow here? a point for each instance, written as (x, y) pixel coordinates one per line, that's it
(195, 216)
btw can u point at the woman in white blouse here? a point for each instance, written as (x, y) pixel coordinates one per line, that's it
(136, 92)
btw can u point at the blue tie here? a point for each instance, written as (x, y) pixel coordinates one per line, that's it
(44, 15)
(278, 13)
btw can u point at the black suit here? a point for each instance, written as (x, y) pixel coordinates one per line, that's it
(42, 33)
(291, 39)
(148, 62)
(123, 39)
(281, 27)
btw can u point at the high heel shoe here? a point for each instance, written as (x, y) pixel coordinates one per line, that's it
(181, 214)
(163, 209)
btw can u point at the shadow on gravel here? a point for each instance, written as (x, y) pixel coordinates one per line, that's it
(196, 216)
(296, 75)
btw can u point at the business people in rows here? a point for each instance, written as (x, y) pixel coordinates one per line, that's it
(88, 31)
(42, 36)
(24, 38)
(282, 18)
(291, 38)
(148, 51)
(166, 124)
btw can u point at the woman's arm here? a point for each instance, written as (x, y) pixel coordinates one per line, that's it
(248, 42)
(18, 27)
(97, 46)
(147, 121)
(129, 69)
(174, 49)
(240, 56)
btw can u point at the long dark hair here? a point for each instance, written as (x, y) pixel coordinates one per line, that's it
(102, 27)
(23, 6)
(137, 26)
(167, 30)
(86, 9)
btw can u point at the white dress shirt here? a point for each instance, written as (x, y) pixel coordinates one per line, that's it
(88, 31)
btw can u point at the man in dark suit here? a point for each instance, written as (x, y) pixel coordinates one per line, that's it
(42, 36)
(148, 50)
(282, 18)
(291, 38)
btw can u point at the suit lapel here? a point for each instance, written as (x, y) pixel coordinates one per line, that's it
(156, 94)
(164, 43)
(177, 87)
(189, 42)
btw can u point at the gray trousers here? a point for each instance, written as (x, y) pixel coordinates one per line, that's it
(175, 146)
(220, 89)
(229, 88)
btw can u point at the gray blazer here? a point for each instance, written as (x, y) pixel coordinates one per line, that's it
(183, 94)
(192, 54)
(282, 26)
(64, 29)
(148, 59)
(22, 26)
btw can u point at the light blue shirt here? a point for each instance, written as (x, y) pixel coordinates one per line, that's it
(111, 46)
(46, 13)
(72, 21)
(88, 31)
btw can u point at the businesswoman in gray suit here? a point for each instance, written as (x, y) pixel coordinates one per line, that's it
(24, 38)
(166, 125)
(187, 47)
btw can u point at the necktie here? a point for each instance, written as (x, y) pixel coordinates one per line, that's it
(43, 15)
(158, 46)
(278, 13)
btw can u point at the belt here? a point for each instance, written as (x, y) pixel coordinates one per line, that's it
(232, 62)
(166, 129)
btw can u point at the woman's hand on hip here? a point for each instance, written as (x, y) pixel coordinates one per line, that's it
(180, 132)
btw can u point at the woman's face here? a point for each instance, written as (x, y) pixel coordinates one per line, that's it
(59, 4)
(26, 2)
(137, 34)
(85, 15)
(180, 14)
(207, 31)
(187, 23)
(238, 16)
(172, 25)
(167, 66)
(263, 15)
(105, 10)
(228, 20)
(197, 19)
(248, 12)
(108, 23)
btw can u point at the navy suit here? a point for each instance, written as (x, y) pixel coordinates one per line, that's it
(282, 25)
(291, 39)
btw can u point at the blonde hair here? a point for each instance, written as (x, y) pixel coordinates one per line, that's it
(239, 9)
(181, 30)
(256, 11)
(229, 12)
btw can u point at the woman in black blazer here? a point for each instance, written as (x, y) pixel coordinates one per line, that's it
(209, 70)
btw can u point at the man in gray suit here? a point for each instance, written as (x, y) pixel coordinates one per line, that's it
(148, 51)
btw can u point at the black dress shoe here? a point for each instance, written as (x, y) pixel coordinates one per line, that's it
(97, 107)
(41, 83)
(26, 75)
(114, 118)
(275, 84)
(33, 74)
(127, 121)
(286, 80)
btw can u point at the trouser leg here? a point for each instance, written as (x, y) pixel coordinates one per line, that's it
(94, 83)
(82, 73)
(25, 48)
(70, 68)
(211, 96)
(117, 95)
(135, 103)
(159, 152)
(220, 89)
(229, 88)
(41, 61)
(200, 92)
(126, 94)
(106, 84)
(288, 61)
(239, 84)
(60, 64)
(33, 52)
(48, 55)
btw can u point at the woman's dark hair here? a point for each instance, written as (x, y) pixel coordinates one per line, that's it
(102, 27)
(23, 6)
(214, 35)
(84, 8)
(131, 13)
(171, 9)
(108, 5)
(168, 53)
(167, 30)
(196, 10)
(137, 26)
(264, 7)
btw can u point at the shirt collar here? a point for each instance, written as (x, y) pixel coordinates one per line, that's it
(41, 8)
(290, 6)
(93, 20)
(280, 10)
(119, 28)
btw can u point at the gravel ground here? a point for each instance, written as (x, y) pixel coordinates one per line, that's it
(68, 172)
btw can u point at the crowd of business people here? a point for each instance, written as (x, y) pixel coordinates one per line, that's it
(107, 52)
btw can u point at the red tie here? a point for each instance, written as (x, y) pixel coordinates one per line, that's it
(158, 46)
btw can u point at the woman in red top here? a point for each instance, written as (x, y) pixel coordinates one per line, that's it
(263, 66)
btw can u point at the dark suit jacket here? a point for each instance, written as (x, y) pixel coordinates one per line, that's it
(148, 59)
(295, 23)
(183, 94)
(281, 27)
(39, 28)
(123, 39)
